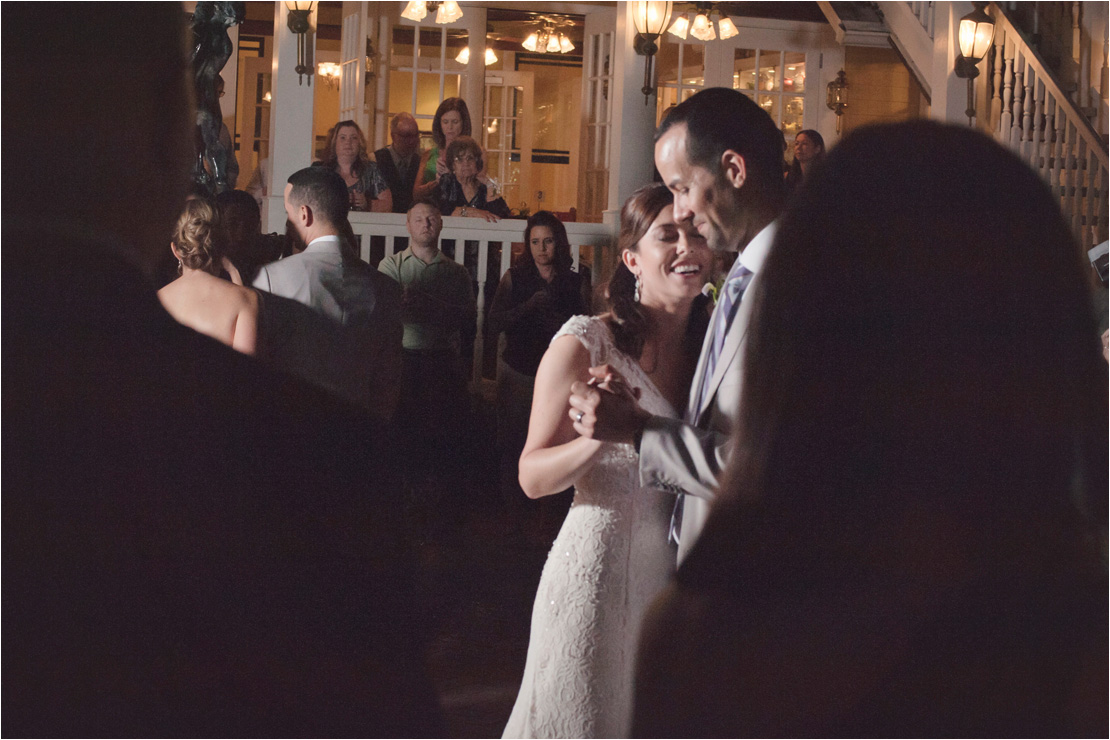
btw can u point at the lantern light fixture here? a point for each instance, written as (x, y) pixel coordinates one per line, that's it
(836, 97)
(297, 19)
(650, 18)
(976, 34)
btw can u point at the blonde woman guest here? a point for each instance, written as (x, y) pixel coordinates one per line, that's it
(198, 298)
(345, 152)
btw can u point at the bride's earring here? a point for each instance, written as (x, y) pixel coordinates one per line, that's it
(636, 293)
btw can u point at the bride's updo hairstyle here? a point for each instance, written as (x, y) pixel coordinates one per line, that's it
(630, 323)
(195, 236)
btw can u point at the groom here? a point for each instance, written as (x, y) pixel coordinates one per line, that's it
(721, 156)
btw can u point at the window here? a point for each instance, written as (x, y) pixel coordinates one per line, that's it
(776, 80)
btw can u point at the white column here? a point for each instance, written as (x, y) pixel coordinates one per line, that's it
(290, 117)
(631, 159)
(474, 81)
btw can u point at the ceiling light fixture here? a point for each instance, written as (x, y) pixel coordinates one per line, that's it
(548, 39)
(705, 23)
(464, 56)
(447, 12)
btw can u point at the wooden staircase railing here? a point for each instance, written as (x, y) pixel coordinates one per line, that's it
(1033, 116)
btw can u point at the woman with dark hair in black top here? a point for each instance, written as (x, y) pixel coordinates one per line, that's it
(533, 300)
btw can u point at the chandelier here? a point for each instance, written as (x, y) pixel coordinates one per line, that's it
(448, 11)
(548, 39)
(705, 23)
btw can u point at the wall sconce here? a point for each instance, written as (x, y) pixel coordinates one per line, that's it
(975, 36)
(297, 21)
(417, 10)
(701, 25)
(650, 18)
(464, 56)
(836, 97)
(330, 72)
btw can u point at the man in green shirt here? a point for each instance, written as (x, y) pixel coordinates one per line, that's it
(439, 313)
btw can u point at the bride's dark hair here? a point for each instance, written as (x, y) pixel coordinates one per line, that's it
(629, 322)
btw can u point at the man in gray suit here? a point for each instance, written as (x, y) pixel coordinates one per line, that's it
(356, 353)
(721, 156)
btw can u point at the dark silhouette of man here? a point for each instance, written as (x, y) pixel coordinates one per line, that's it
(193, 545)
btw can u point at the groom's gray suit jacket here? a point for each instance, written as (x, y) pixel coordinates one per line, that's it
(687, 456)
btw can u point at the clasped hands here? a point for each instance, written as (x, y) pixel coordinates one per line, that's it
(606, 407)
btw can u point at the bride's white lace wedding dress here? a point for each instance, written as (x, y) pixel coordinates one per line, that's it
(610, 559)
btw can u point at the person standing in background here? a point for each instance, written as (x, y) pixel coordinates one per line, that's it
(400, 162)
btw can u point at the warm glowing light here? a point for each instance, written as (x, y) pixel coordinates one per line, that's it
(976, 34)
(553, 43)
(464, 56)
(532, 42)
(415, 10)
(680, 27)
(650, 16)
(728, 28)
(448, 12)
(564, 44)
(269, 96)
(702, 29)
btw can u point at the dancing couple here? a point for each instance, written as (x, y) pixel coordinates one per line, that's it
(653, 393)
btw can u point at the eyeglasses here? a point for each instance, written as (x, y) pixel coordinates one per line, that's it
(465, 158)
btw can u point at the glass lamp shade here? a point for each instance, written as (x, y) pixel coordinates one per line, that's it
(415, 10)
(564, 44)
(650, 17)
(680, 27)
(553, 42)
(532, 42)
(836, 95)
(464, 56)
(491, 58)
(448, 12)
(976, 34)
(728, 28)
(702, 29)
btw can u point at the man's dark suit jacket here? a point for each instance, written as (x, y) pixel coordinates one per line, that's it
(194, 545)
(400, 182)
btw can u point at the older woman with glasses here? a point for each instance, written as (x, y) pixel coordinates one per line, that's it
(461, 193)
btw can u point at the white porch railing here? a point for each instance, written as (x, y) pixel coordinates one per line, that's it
(1035, 118)
(475, 243)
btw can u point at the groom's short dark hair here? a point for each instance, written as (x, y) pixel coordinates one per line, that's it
(322, 190)
(719, 119)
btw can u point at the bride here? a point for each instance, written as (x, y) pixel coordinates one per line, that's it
(611, 556)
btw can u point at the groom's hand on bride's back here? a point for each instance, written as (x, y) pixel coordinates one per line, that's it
(606, 408)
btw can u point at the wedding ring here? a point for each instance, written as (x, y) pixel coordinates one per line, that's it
(579, 417)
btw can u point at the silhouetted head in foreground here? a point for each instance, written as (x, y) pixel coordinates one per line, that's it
(922, 334)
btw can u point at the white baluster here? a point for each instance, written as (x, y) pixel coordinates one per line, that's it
(1006, 122)
(479, 337)
(1070, 166)
(1037, 158)
(1015, 132)
(1103, 186)
(996, 88)
(1090, 222)
(1028, 108)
